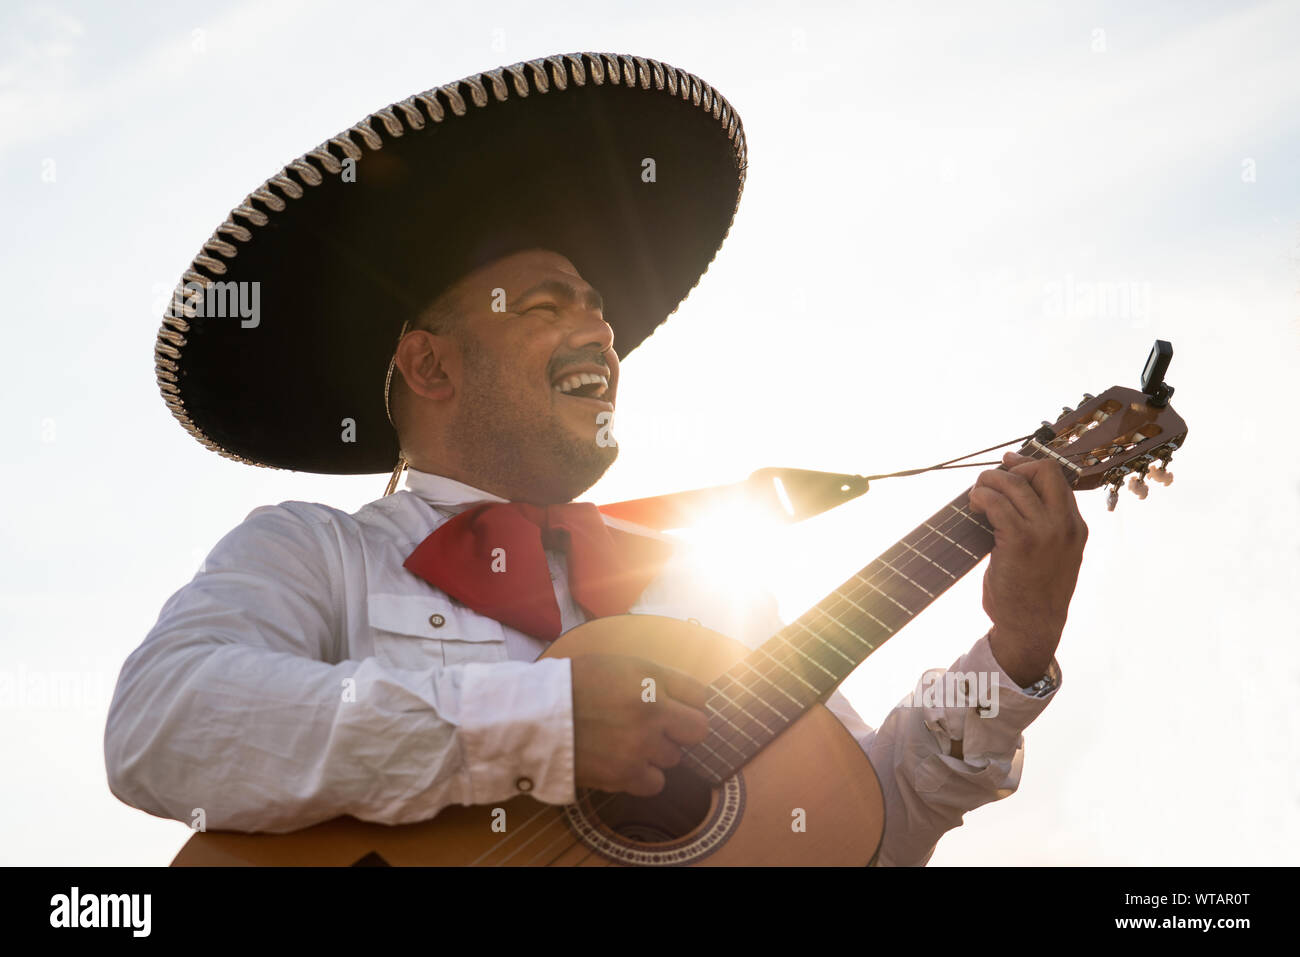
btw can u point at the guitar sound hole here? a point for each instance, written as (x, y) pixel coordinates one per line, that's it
(677, 810)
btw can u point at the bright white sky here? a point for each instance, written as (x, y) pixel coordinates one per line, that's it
(924, 183)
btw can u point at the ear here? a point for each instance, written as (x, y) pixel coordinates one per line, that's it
(430, 364)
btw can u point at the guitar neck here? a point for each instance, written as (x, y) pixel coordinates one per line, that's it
(803, 663)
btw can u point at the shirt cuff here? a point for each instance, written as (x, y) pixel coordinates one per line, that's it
(977, 703)
(516, 731)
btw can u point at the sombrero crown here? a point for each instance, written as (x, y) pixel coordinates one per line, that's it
(274, 350)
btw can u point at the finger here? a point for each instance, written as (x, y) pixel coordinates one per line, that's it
(1049, 482)
(666, 753)
(1017, 490)
(997, 507)
(649, 783)
(683, 724)
(683, 687)
(1047, 479)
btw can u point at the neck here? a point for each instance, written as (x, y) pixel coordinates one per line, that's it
(507, 487)
(445, 469)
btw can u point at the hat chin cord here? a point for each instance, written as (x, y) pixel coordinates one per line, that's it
(402, 461)
(397, 474)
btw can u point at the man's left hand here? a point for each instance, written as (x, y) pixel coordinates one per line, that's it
(1038, 540)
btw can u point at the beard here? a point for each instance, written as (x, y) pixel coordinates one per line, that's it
(509, 443)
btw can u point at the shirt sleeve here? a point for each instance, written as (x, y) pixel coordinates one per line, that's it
(241, 704)
(926, 789)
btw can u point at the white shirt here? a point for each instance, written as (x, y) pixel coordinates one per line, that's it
(304, 673)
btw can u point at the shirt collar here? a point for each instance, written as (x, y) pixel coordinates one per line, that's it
(440, 490)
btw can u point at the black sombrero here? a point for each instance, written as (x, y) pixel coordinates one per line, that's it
(282, 329)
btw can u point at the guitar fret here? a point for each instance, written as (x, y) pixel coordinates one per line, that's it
(835, 618)
(910, 613)
(753, 697)
(955, 542)
(789, 713)
(718, 737)
(708, 771)
(736, 726)
(799, 704)
(799, 651)
(798, 678)
(705, 745)
(928, 593)
(970, 518)
(827, 643)
(905, 577)
(721, 774)
(930, 560)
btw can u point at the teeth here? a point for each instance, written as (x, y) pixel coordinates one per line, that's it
(578, 380)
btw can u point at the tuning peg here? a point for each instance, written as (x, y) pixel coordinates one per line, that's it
(1113, 498)
(1087, 397)
(1137, 486)
(1066, 410)
(1158, 473)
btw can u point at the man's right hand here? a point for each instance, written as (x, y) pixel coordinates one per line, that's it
(622, 741)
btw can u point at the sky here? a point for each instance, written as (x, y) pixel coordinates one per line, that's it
(935, 196)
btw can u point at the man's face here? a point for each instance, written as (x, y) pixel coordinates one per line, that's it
(531, 328)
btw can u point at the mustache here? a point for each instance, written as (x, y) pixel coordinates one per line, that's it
(594, 357)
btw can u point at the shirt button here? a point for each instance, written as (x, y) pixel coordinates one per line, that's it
(437, 621)
(524, 784)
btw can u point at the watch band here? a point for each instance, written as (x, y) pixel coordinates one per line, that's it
(1046, 684)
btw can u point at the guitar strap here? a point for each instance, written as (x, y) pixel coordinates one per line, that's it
(788, 495)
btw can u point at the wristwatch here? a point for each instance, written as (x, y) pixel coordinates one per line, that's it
(1046, 684)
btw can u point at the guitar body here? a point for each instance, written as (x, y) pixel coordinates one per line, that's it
(810, 797)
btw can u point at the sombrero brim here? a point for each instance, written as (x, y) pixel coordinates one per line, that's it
(327, 266)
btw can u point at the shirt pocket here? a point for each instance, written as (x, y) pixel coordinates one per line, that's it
(419, 631)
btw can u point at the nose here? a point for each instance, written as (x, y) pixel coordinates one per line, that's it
(589, 331)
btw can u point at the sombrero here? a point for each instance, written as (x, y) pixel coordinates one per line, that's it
(275, 347)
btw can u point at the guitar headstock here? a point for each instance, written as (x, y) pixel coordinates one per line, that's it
(1122, 432)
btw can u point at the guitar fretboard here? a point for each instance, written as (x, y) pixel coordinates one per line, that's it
(764, 693)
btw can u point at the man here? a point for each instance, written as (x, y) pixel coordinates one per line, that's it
(500, 390)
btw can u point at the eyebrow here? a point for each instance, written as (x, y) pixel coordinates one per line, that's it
(567, 293)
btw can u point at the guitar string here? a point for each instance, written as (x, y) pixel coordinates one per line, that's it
(801, 644)
(861, 588)
(941, 465)
(924, 540)
(946, 525)
(953, 523)
(798, 647)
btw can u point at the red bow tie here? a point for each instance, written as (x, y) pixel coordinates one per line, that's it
(492, 558)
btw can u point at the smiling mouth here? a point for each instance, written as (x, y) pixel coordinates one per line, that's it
(583, 385)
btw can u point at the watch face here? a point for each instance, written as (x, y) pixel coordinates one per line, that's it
(1046, 684)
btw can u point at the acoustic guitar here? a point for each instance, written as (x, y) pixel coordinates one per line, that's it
(774, 755)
